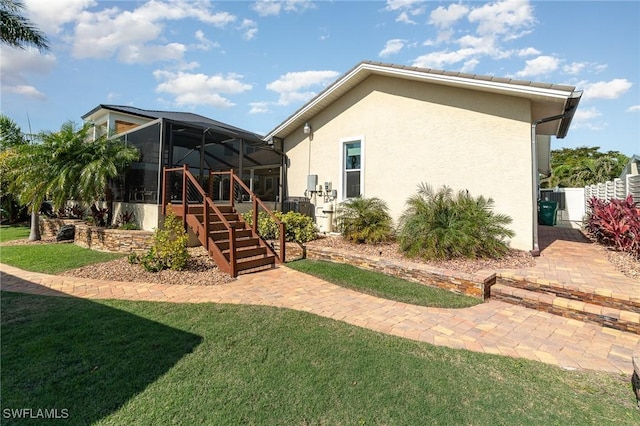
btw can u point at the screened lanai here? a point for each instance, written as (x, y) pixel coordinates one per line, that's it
(204, 145)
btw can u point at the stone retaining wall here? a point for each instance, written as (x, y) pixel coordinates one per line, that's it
(50, 227)
(112, 240)
(102, 239)
(475, 285)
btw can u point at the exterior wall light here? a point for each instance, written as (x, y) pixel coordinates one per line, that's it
(306, 129)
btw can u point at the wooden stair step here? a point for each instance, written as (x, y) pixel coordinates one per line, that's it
(250, 251)
(240, 242)
(619, 319)
(246, 264)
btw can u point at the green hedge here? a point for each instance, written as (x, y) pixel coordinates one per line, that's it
(299, 228)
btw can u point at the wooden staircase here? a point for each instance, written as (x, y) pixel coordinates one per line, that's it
(235, 246)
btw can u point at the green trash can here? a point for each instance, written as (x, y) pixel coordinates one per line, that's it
(547, 212)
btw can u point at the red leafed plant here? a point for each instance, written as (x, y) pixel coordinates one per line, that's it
(615, 223)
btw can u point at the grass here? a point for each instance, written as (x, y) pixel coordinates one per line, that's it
(52, 258)
(13, 232)
(380, 285)
(124, 362)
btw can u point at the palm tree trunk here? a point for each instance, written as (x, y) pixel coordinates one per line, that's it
(34, 235)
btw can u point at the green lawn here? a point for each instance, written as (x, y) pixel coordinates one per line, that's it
(52, 258)
(13, 232)
(381, 285)
(123, 362)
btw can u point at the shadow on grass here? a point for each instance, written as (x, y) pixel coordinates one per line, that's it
(79, 359)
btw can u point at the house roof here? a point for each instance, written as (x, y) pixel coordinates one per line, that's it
(194, 120)
(547, 99)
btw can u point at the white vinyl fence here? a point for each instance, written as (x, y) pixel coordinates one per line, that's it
(618, 188)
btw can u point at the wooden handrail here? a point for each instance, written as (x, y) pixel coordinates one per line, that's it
(257, 201)
(206, 203)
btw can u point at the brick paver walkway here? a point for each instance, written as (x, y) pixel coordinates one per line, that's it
(493, 327)
(569, 258)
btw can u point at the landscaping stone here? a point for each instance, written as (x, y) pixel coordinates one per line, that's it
(66, 233)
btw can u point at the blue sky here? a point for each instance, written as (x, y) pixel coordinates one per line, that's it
(252, 64)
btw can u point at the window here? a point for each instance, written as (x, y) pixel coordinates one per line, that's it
(352, 169)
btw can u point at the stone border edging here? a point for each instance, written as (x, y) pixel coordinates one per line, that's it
(476, 285)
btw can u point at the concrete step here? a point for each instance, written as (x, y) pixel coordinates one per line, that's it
(619, 319)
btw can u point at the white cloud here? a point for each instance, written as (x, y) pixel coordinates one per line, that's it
(392, 47)
(204, 43)
(444, 17)
(440, 60)
(250, 29)
(406, 9)
(128, 34)
(112, 96)
(49, 16)
(587, 118)
(503, 17)
(607, 89)
(293, 87)
(135, 54)
(578, 67)
(191, 89)
(633, 108)
(274, 7)
(529, 51)
(404, 18)
(259, 108)
(27, 91)
(17, 66)
(539, 66)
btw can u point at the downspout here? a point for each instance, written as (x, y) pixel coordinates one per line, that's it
(535, 178)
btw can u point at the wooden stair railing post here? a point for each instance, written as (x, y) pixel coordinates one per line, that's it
(164, 191)
(185, 169)
(233, 263)
(231, 185)
(254, 216)
(282, 243)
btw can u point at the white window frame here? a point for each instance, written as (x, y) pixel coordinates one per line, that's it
(342, 172)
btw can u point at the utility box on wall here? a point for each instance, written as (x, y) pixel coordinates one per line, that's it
(312, 183)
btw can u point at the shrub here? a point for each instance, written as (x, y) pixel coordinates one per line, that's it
(365, 220)
(439, 225)
(615, 223)
(298, 227)
(127, 220)
(169, 249)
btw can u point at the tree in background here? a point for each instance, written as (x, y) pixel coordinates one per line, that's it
(65, 165)
(11, 136)
(582, 166)
(18, 31)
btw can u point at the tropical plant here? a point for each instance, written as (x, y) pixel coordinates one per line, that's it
(578, 167)
(441, 225)
(298, 227)
(18, 31)
(169, 249)
(29, 176)
(365, 220)
(11, 136)
(82, 167)
(615, 223)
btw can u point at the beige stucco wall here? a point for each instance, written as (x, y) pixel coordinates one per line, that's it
(415, 132)
(146, 215)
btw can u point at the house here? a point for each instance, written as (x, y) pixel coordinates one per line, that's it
(382, 129)
(174, 139)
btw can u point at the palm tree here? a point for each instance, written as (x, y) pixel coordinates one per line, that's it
(365, 220)
(27, 169)
(103, 160)
(18, 31)
(81, 168)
